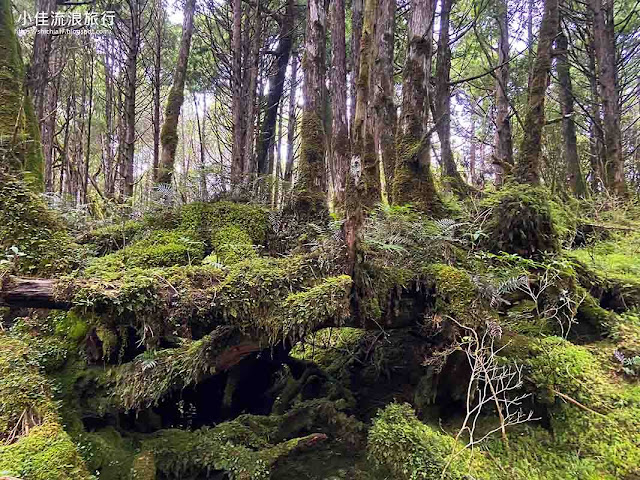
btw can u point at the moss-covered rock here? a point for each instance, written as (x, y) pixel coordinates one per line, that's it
(231, 244)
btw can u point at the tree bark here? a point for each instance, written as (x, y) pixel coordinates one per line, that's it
(309, 197)
(291, 121)
(169, 133)
(413, 181)
(529, 161)
(237, 102)
(340, 141)
(156, 84)
(383, 86)
(576, 179)
(357, 7)
(605, 50)
(276, 86)
(443, 102)
(504, 141)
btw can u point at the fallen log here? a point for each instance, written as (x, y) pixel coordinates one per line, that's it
(31, 293)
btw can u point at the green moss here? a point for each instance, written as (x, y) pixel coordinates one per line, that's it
(23, 154)
(25, 395)
(405, 448)
(46, 453)
(456, 294)
(107, 454)
(204, 219)
(26, 223)
(232, 244)
(413, 181)
(309, 200)
(522, 221)
(160, 249)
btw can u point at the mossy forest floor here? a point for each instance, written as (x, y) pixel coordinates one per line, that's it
(223, 340)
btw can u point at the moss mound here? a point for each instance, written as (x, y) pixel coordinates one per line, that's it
(522, 221)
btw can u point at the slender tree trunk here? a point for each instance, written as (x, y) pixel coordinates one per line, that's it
(237, 101)
(251, 70)
(576, 179)
(276, 86)
(356, 35)
(443, 101)
(383, 86)
(504, 142)
(596, 133)
(413, 181)
(85, 179)
(39, 69)
(309, 197)
(605, 50)
(529, 161)
(340, 141)
(130, 73)
(291, 121)
(157, 70)
(169, 133)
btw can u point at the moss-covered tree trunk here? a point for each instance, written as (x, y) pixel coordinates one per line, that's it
(529, 161)
(340, 142)
(576, 179)
(309, 197)
(169, 133)
(413, 181)
(20, 149)
(385, 116)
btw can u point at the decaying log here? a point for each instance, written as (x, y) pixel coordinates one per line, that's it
(30, 293)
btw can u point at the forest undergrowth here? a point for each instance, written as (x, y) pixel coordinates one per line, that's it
(224, 340)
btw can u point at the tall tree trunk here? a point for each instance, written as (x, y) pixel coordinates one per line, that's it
(383, 91)
(576, 179)
(340, 141)
(109, 153)
(443, 102)
(169, 133)
(309, 197)
(291, 121)
(237, 100)
(504, 141)
(356, 35)
(39, 69)
(85, 174)
(596, 132)
(250, 81)
(529, 161)
(605, 50)
(19, 130)
(276, 86)
(413, 181)
(131, 71)
(157, 70)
